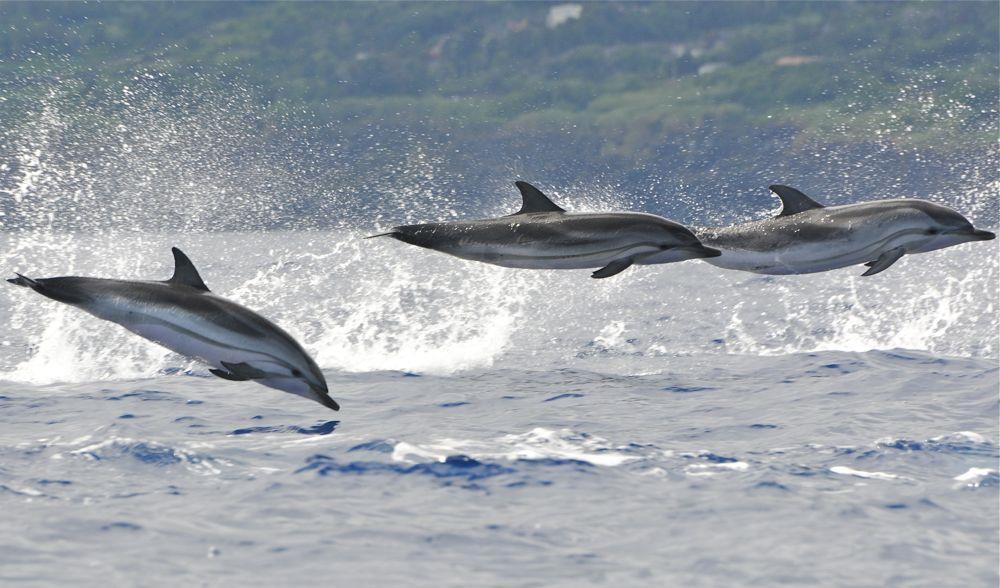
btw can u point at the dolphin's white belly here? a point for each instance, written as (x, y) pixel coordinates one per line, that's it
(793, 260)
(810, 257)
(210, 352)
(540, 255)
(188, 335)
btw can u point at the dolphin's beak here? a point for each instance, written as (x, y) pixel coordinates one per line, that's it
(971, 234)
(322, 392)
(318, 386)
(326, 401)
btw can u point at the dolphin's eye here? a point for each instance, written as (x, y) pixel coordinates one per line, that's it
(933, 231)
(297, 373)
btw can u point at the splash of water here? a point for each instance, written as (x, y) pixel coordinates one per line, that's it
(110, 203)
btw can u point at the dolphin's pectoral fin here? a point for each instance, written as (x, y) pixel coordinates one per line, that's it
(532, 200)
(227, 375)
(184, 272)
(615, 267)
(793, 201)
(884, 261)
(244, 371)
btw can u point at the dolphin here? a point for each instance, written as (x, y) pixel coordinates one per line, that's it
(182, 315)
(807, 237)
(544, 236)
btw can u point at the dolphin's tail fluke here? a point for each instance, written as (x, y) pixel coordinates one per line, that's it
(24, 281)
(428, 236)
(65, 289)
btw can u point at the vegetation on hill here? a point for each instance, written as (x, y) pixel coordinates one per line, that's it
(569, 87)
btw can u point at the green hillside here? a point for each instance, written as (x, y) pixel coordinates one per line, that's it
(567, 87)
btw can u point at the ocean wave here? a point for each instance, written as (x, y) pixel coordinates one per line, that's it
(151, 453)
(536, 445)
(979, 478)
(452, 467)
(847, 471)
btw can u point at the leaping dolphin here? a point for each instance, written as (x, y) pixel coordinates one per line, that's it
(807, 237)
(182, 315)
(544, 236)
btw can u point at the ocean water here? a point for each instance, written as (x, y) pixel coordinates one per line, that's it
(677, 425)
(674, 425)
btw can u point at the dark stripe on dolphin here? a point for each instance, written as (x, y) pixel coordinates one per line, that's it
(219, 311)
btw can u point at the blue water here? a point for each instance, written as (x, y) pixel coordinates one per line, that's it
(675, 425)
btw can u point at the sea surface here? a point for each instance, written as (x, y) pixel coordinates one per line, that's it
(676, 425)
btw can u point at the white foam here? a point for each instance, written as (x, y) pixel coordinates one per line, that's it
(969, 436)
(710, 469)
(406, 452)
(974, 474)
(28, 491)
(846, 471)
(841, 311)
(537, 444)
(542, 443)
(656, 472)
(974, 477)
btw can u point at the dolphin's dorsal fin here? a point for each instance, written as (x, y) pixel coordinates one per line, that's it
(534, 201)
(184, 272)
(793, 201)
